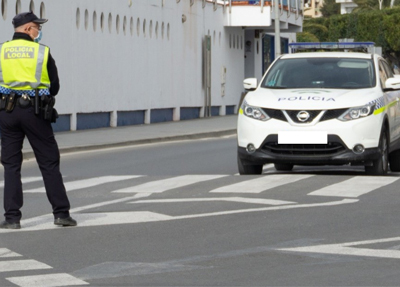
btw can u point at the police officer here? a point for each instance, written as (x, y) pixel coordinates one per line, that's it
(29, 73)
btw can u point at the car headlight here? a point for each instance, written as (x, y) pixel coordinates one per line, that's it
(254, 112)
(357, 113)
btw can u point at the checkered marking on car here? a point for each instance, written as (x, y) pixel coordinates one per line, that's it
(379, 103)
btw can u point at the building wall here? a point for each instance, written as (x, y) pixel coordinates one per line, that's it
(137, 60)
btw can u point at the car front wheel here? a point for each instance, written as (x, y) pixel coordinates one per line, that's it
(249, 168)
(381, 165)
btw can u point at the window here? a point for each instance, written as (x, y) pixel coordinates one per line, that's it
(42, 10)
(4, 9)
(78, 18)
(382, 74)
(86, 19)
(331, 73)
(32, 6)
(94, 21)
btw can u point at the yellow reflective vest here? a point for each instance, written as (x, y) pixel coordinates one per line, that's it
(23, 65)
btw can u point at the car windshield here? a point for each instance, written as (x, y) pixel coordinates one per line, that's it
(334, 73)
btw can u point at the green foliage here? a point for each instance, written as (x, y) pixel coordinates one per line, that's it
(391, 25)
(306, 37)
(330, 8)
(368, 5)
(367, 24)
(318, 30)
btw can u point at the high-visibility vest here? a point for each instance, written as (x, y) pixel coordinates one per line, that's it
(23, 65)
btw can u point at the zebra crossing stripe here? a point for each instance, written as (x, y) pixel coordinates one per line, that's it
(4, 253)
(162, 185)
(18, 265)
(355, 187)
(84, 183)
(48, 280)
(229, 199)
(260, 184)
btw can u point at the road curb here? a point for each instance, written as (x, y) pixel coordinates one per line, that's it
(65, 150)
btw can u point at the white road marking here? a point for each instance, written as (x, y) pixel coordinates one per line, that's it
(19, 265)
(162, 185)
(97, 219)
(349, 249)
(25, 180)
(112, 218)
(355, 187)
(4, 253)
(48, 218)
(231, 199)
(261, 184)
(84, 183)
(48, 280)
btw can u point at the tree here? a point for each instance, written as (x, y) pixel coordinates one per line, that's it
(365, 5)
(306, 37)
(320, 31)
(330, 8)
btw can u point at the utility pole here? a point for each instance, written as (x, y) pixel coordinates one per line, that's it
(277, 30)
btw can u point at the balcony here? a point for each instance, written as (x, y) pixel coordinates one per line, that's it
(259, 14)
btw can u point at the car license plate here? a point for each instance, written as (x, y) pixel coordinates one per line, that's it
(302, 137)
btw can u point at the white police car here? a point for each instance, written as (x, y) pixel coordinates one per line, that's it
(321, 108)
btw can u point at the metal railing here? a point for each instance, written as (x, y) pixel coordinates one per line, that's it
(289, 5)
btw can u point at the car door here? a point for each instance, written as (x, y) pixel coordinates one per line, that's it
(393, 101)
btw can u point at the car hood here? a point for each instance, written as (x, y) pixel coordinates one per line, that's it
(295, 99)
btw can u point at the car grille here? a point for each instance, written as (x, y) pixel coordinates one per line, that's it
(275, 114)
(293, 116)
(334, 146)
(328, 115)
(332, 114)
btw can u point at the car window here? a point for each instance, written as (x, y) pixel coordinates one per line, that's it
(382, 74)
(336, 73)
(388, 69)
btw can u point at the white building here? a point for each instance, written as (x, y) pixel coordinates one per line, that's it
(125, 62)
(346, 6)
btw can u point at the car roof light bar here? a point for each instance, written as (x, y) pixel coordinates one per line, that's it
(331, 46)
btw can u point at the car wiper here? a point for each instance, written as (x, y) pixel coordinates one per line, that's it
(277, 87)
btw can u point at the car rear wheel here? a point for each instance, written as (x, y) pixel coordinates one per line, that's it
(283, 166)
(381, 165)
(249, 168)
(394, 160)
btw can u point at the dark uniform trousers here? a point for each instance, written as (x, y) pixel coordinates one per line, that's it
(14, 126)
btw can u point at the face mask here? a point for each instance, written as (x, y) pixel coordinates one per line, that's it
(39, 37)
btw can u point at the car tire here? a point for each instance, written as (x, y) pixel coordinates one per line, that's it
(249, 169)
(283, 166)
(381, 165)
(394, 160)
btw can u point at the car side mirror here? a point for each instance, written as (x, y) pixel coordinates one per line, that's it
(392, 83)
(250, 84)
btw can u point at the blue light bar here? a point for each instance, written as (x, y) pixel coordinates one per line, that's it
(331, 45)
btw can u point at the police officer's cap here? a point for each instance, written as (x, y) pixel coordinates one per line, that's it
(27, 17)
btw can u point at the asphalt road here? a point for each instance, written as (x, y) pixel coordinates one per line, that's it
(176, 214)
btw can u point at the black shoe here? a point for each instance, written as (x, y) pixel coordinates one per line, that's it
(9, 225)
(65, 221)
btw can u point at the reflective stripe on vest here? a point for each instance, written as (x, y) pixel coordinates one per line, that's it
(1, 70)
(20, 51)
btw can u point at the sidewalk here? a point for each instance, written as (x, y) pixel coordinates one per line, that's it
(141, 134)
